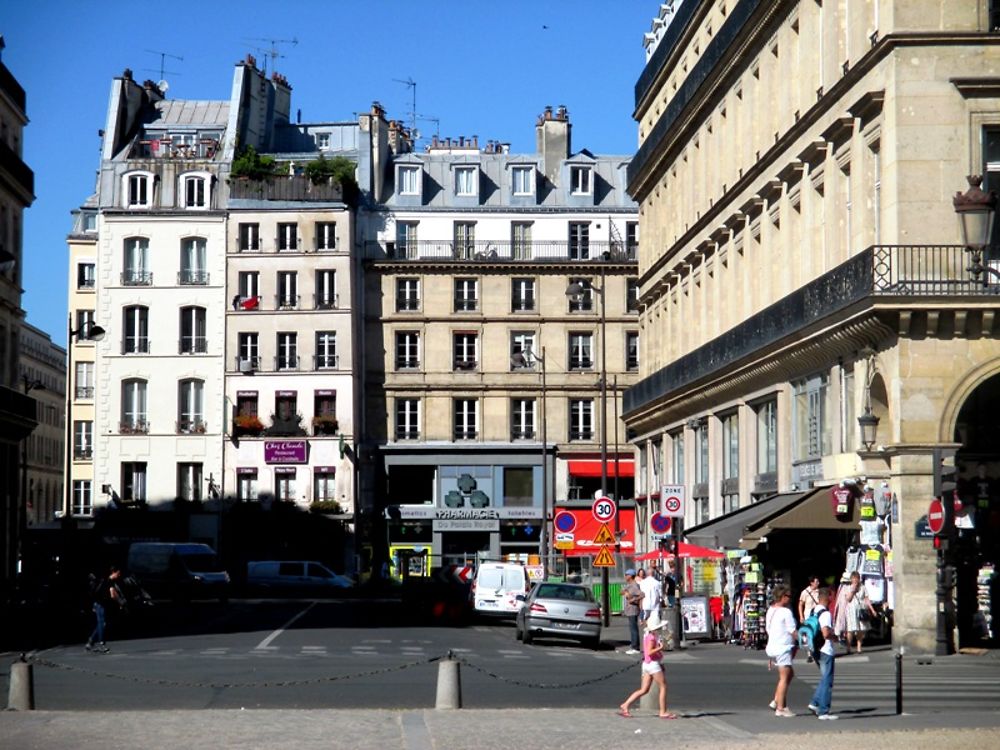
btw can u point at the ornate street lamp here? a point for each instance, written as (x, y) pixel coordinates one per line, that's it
(868, 423)
(976, 211)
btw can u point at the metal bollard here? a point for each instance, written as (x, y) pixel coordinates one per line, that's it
(899, 681)
(21, 694)
(449, 685)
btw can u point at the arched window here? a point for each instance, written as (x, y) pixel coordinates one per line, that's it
(135, 330)
(192, 327)
(137, 190)
(135, 262)
(195, 190)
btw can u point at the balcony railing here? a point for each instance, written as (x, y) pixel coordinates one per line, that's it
(522, 435)
(137, 278)
(408, 363)
(191, 426)
(407, 434)
(83, 452)
(86, 284)
(192, 278)
(133, 427)
(326, 301)
(193, 345)
(139, 345)
(326, 361)
(84, 391)
(581, 435)
(287, 301)
(466, 365)
(494, 251)
(287, 362)
(284, 189)
(248, 364)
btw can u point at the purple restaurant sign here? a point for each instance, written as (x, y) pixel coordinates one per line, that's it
(284, 451)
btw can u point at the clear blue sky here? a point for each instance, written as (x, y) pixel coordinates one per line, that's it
(482, 68)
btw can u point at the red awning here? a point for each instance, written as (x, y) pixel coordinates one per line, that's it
(592, 467)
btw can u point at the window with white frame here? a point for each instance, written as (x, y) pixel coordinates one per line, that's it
(288, 236)
(522, 419)
(84, 324)
(246, 484)
(83, 498)
(407, 295)
(812, 435)
(190, 406)
(701, 453)
(287, 349)
(134, 406)
(288, 290)
(465, 239)
(656, 463)
(677, 456)
(631, 238)
(322, 141)
(406, 239)
(84, 380)
(135, 329)
(581, 347)
(522, 295)
(133, 482)
(249, 350)
(465, 350)
(580, 180)
(83, 439)
(408, 177)
(326, 235)
(326, 350)
(523, 343)
(249, 236)
(86, 275)
(407, 418)
(249, 284)
(138, 190)
(520, 240)
(195, 190)
(193, 261)
(466, 295)
(326, 289)
(632, 295)
(192, 326)
(579, 240)
(466, 422)
(407, 350)
(848, 415)
(465, 181)
(522, 180)
(581, 419)
(135, 265)
(189, 481)
(284, 484)
(324, 486)
(583, 302)
(632, 351)
(731, 446)
(767, 437)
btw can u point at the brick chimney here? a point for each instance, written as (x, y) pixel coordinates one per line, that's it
(552, 140)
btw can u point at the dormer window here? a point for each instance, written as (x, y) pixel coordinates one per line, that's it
(580, 180)
(195, 191)
(522, 180)
(322, 141)
(138, 190)
(409, 180)
(465, 181)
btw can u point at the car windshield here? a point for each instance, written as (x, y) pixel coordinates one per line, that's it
(202, 563)
(555, 591)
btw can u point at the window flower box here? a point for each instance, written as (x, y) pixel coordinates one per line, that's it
(325, 424)
(247, 424)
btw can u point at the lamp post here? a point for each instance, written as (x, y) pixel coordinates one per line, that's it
(90, 331)
(575, 291)
(28, 385)
(976, 210)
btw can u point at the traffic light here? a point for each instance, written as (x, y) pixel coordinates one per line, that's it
(945, 485)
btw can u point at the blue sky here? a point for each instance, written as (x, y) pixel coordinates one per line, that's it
(481, 68)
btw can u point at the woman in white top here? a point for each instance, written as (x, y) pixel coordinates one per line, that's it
(780, 623)
(859, 612)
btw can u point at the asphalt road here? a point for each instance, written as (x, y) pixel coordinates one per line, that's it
(363, 654)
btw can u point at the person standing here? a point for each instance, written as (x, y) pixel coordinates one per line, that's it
(780, 624)
(650, 588)
(809, 598)
(632, 595)
(859, 611)
(104, 592)
(820, 703)
(652, 669)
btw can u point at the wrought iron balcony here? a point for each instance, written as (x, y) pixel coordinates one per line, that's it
(137, 278)
(500, 251)
(192, 278)
(407, 434)
(191, 426)
(287, 301)
(407, 304)
(193, 345)
(133, 427)
(325, 361)
(466, 365)
(326, 301)
(135, 345)
(286, 362)
(84, 391)
(522, 435)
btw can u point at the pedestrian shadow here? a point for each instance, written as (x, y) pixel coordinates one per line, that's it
(703, 714)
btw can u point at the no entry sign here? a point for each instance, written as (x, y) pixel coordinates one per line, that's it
(935, 516)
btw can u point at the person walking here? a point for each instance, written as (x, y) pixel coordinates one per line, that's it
(859, 612)
(820, 703)
(104, 592)
(632, 596)
(652, 669)
(780, 625)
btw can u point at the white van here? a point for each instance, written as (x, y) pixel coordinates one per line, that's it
(496, 587)
(181, 570)
(294, 575)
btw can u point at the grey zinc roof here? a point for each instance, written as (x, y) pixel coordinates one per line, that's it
(191, 112)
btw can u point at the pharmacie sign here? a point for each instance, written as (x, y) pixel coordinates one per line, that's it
(464, 514)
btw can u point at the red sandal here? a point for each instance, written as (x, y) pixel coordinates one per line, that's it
(624, 714)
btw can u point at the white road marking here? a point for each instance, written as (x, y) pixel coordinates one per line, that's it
(362, 648)
(264, 644)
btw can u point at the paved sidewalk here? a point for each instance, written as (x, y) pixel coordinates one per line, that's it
(481, 730)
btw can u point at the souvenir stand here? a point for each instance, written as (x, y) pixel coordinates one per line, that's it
(750, 603)
(872, 556)
(985, 627)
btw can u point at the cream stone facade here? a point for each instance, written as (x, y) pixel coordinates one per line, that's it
(800, 260)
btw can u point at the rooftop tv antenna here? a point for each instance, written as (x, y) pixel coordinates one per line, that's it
(435, 120)
(273, 52)
(412, 85)
(163, 59)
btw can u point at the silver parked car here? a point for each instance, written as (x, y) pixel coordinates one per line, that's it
(560, 610)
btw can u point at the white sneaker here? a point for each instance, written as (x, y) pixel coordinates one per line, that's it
(772, 705)
(814, 708)
(828, 717)
(784, 713)
(631, 651)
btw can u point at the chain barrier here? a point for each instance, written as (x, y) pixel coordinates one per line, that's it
(224, 685)
(162, 682)
(546, 685)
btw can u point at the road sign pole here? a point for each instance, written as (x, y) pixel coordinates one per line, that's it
(678, 624)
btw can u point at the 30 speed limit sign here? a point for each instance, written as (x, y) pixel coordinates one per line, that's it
(672, 501)
(604, 509)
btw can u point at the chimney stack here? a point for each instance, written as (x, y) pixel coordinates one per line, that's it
(552, 141)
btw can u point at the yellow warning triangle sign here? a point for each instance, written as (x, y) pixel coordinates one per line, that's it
(604, 536)
(604, 558)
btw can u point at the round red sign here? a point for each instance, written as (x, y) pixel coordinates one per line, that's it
(935, 516)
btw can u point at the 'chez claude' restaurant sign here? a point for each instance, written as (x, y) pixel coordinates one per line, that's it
(285, 452)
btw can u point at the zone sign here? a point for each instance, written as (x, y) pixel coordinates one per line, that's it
(672, 501)
(604, 509)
